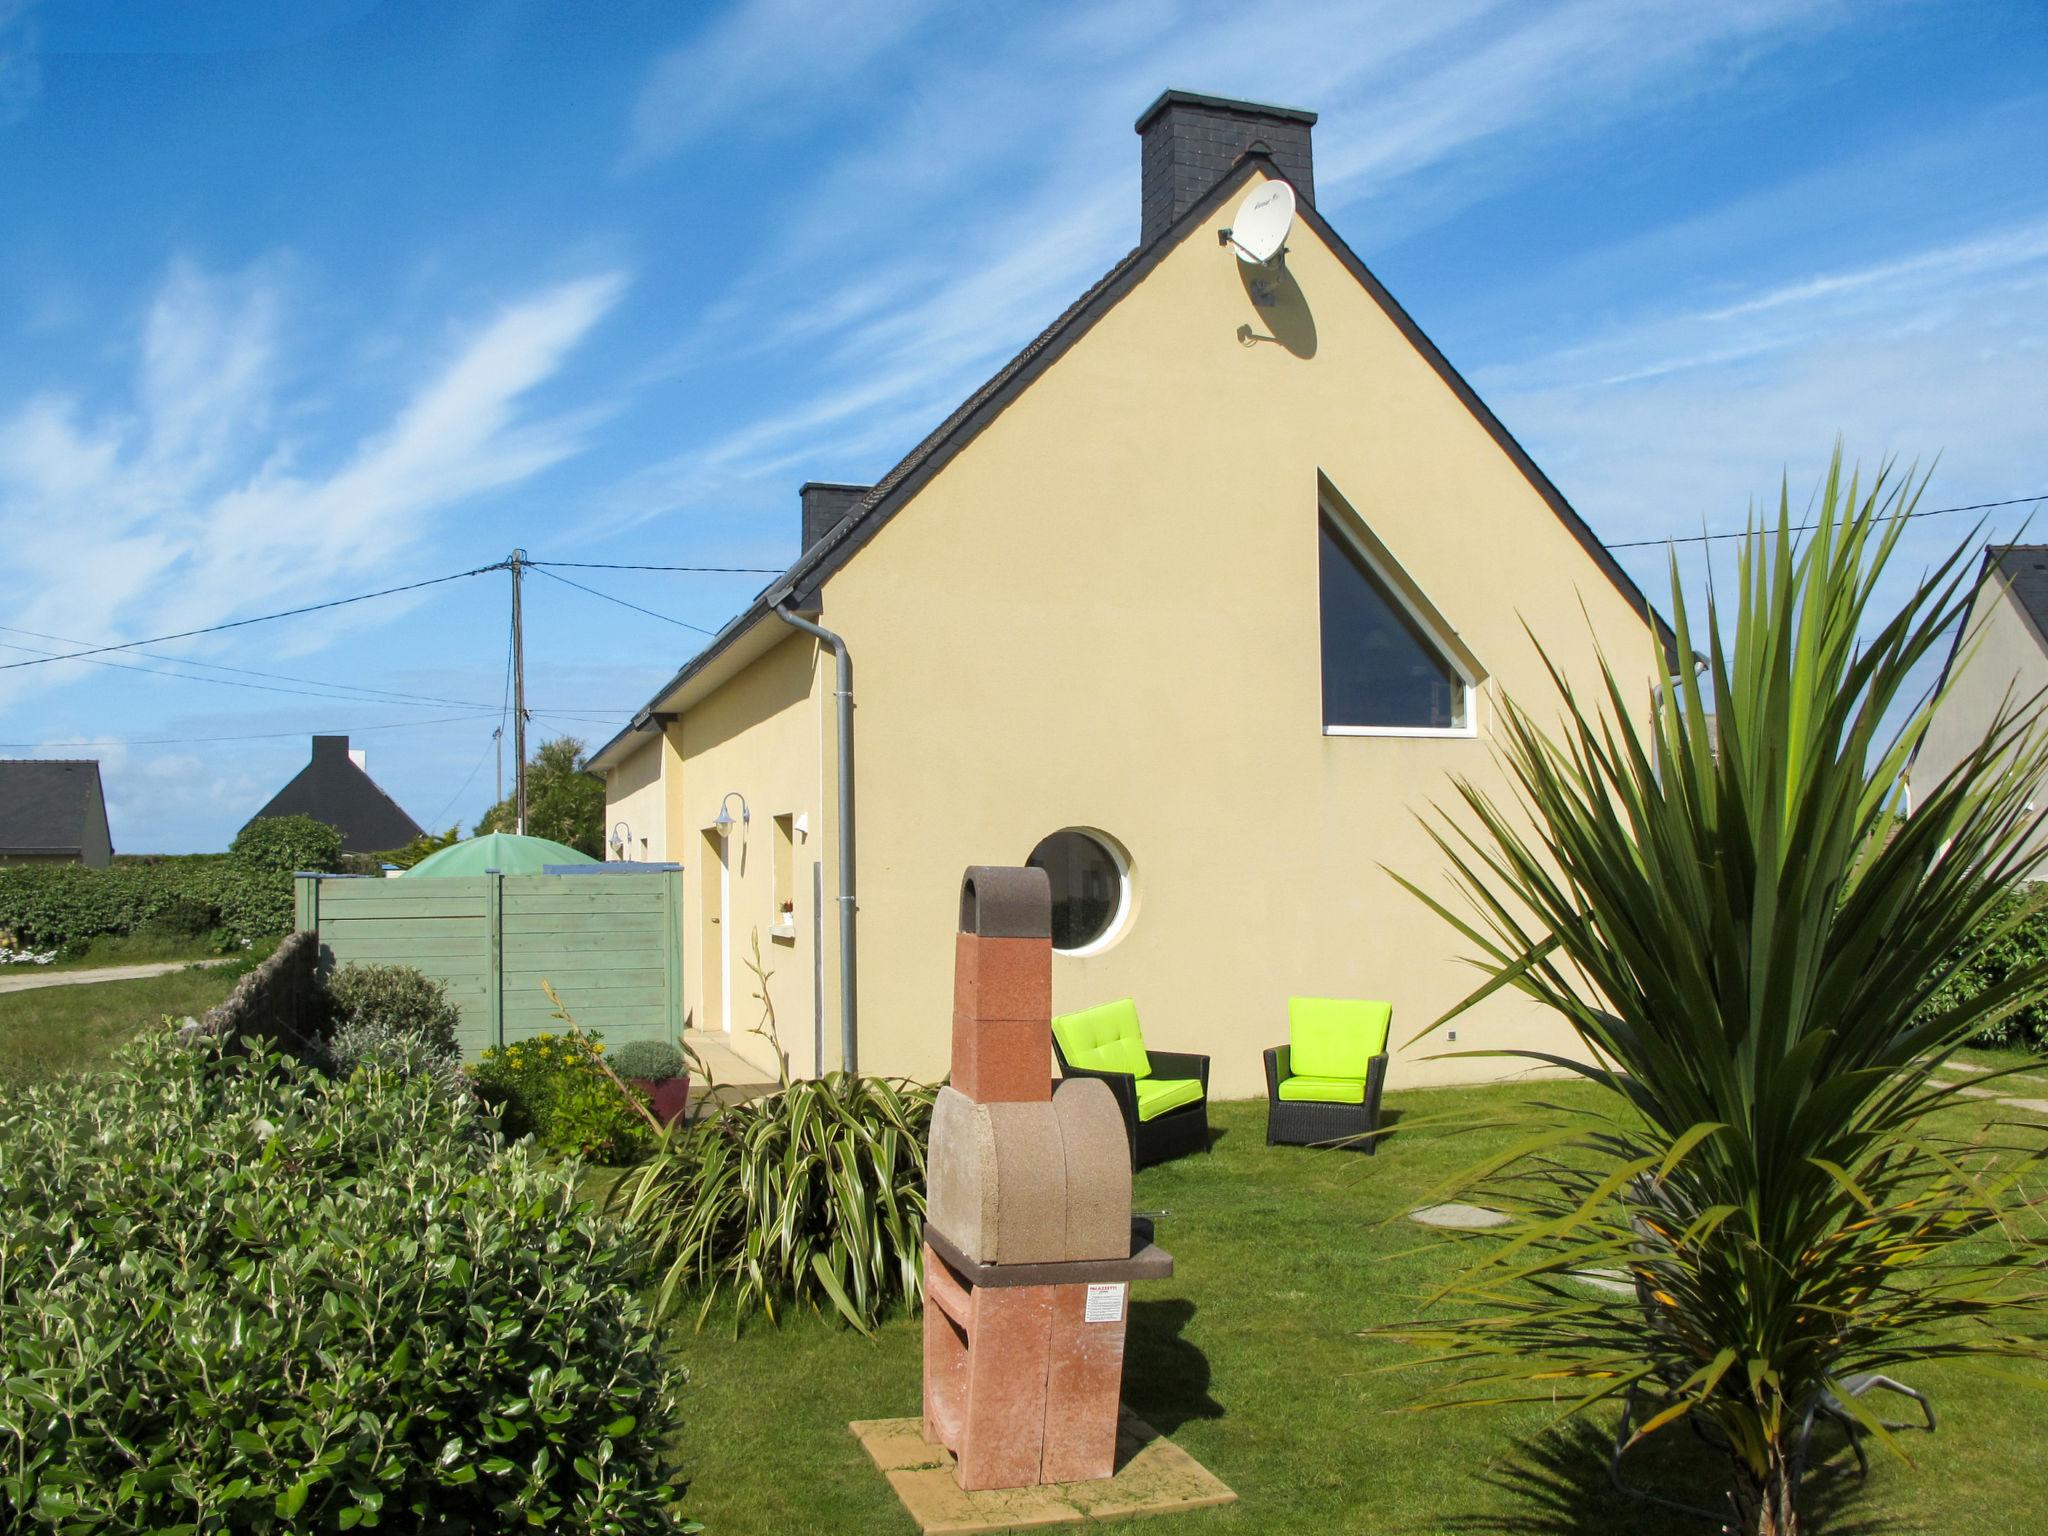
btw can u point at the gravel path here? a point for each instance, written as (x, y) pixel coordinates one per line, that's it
(30, 978)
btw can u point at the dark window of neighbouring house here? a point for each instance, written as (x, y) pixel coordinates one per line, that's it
(1380, 670)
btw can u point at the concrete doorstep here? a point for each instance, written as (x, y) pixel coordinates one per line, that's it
(1153, 1477)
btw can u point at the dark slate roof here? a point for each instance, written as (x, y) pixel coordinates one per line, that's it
(331, 788)
(2025, 569)
(47, 804)
(799, 585)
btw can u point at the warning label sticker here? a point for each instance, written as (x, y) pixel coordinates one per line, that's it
(1105, 1304)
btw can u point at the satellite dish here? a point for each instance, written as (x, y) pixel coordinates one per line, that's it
(1263, 220)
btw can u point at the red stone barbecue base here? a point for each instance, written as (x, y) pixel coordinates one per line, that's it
(1153, 1477)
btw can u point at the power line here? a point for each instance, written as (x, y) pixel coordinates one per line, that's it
(221, 666)
(183, 741)
(261, 618)
(679, 623)
(703, 570)
(374, 695)
(435, 820)
(1708, 538)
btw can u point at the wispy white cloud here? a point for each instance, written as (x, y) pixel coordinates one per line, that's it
(983, 202)
(771, 66)
(192, 506)
(1676, 421)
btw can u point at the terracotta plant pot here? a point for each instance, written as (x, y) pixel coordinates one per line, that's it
(667, 1098)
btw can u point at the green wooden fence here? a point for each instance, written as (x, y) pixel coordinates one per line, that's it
(610, 945)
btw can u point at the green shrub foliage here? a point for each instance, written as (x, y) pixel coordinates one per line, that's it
(53, 904)
(284, 845)
(2011, 941)
(237, 1295)
(813, 1195)
(550, 1087)
(398, 1000)
(655, 1060)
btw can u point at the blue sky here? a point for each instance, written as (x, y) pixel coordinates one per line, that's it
(299, 301)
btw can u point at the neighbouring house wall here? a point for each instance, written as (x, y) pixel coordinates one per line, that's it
(98, 852)
(43, 858)
(766, 735)
(634, 795)
(1104, 613)
(1999, 664)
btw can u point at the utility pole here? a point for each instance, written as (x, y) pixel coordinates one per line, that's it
(498, 736)
(518, 704)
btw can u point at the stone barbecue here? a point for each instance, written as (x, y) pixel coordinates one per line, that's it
(1030, 1246)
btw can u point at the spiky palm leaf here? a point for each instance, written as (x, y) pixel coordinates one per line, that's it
(1727, 908)
(811, 1195)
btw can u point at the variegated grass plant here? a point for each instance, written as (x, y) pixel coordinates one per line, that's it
(812, 1195)
(1729, 909)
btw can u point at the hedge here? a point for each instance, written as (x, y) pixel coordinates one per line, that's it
(47, 905)
(2024, 943)
(238, 1295)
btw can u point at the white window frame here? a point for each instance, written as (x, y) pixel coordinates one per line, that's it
(1432, 631)
(1120, 918)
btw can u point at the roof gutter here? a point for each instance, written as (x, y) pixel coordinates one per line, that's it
(849, 1005)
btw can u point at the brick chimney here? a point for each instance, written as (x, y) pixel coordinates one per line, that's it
(1190, 142)
(825, 504)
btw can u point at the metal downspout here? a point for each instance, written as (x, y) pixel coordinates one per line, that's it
(849, 1006)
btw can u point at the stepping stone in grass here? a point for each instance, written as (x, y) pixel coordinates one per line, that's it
(1459, 1218)
(1612, 1281)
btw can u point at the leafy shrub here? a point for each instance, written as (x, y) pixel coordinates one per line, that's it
(550, 1087)
(397, 1000)
(48, 905)
(237, 1295)
(813, 1194)
(421, 847)
(655, 1060)
(178, 915)
(284, 845)
(2013, 938)
(394, 1018)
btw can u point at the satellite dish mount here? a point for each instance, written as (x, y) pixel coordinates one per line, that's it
(1264, 219)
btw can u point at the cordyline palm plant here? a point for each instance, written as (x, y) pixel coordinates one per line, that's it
(811, 1194)
(1727, 908)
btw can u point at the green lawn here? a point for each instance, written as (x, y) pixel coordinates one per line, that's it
(49, 1031)
(128, 949)
(1250, 1358)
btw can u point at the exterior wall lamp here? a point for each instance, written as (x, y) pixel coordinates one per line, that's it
(622, 836)
(724, 824)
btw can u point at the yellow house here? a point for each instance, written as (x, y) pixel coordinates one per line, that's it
(1198, 603)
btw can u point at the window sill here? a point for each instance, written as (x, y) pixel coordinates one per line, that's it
(1461, 733)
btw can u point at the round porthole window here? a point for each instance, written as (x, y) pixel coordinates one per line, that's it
(1091, 889)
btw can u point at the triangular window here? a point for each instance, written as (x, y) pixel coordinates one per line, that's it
(1381, 669)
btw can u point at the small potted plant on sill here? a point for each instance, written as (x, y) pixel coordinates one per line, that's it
(657, 1069)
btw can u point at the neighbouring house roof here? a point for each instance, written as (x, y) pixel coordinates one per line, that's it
(800, 584)
(2024, 568)
(47, 805)
(334, 789)
(2023, 571)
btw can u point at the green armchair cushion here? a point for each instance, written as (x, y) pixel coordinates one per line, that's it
(1156, 1095)
(1323, 1090)
(1104, 1039)
(1335, 1037)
